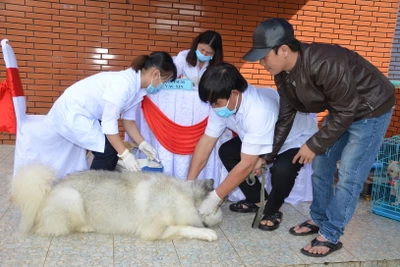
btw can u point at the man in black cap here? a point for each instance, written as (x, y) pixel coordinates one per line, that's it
(317, 77)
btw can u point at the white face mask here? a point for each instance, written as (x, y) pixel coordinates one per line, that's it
(225, 112)
(151, 89)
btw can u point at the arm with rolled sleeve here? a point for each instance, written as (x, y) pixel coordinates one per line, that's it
(128, 121)
(200, 156)
(258, 128)
(341, 92)
(109, 125)
(115, 96)
(215, 127)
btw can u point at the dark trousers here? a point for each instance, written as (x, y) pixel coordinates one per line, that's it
(283, 175)
(106, 160)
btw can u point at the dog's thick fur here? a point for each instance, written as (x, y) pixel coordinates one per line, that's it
(149, 205)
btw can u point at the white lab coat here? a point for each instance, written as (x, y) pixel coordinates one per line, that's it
(76, 113)
(255, 121)
(184, 70)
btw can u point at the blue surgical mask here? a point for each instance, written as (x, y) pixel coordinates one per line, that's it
(202, 57)
(151, 89)
(225, 112)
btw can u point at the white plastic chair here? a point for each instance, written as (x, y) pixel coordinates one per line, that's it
(35, 140)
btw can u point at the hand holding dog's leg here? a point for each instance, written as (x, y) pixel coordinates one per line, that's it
(209, 203)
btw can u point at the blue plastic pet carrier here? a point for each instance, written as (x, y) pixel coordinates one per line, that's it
(386, 185)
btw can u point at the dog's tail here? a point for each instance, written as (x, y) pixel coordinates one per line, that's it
(31, 185)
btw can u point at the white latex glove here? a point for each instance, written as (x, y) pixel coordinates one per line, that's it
(130, 161)
(209, 204)
(148, 150)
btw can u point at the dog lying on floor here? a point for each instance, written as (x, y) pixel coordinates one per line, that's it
(149, 205)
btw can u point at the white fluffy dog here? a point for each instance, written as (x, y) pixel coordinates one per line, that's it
(149, 205)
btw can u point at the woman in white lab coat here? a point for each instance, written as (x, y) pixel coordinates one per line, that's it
(206, 50)
(87, 112)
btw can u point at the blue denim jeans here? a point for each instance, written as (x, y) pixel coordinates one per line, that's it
(333, 207)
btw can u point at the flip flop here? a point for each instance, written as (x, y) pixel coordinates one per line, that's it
(313, 229)
(316, 243)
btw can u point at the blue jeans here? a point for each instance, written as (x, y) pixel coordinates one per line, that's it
(333, 207)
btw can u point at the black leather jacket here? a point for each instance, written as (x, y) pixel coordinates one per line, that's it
(333, 78)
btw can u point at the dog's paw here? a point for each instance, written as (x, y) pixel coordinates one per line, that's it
(86, 229)
(213, 219)
(207, 235)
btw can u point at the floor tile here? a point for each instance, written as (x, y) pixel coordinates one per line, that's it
(203, 253)
(368, 238)
(17, 255)
(268, 251)
(81, 250)
(129, 251)
(17, 250)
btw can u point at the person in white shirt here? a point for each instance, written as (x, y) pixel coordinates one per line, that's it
(87, 112)
(205, 50)
(251, 113)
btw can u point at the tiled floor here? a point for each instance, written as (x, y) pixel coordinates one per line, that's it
(370, 240)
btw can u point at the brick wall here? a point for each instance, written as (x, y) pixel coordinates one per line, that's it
(394, 68)
(58, 42)
(395, 123)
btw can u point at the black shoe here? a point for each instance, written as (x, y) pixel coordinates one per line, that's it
(243, 206)
(276, 219)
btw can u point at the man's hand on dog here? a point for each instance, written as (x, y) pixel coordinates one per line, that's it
(209, 204)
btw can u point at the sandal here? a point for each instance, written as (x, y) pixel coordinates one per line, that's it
(316, 243)
(313, 229)
(243, 206)
(276, 219)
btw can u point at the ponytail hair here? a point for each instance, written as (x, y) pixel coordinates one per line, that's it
(160, 60)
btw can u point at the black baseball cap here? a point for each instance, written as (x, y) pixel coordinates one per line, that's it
(268, 34)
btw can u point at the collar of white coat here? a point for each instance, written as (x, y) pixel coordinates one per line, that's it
(136, 79)
(242, 105)
(205, 65)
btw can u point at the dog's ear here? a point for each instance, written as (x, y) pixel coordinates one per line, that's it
(208, 184)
